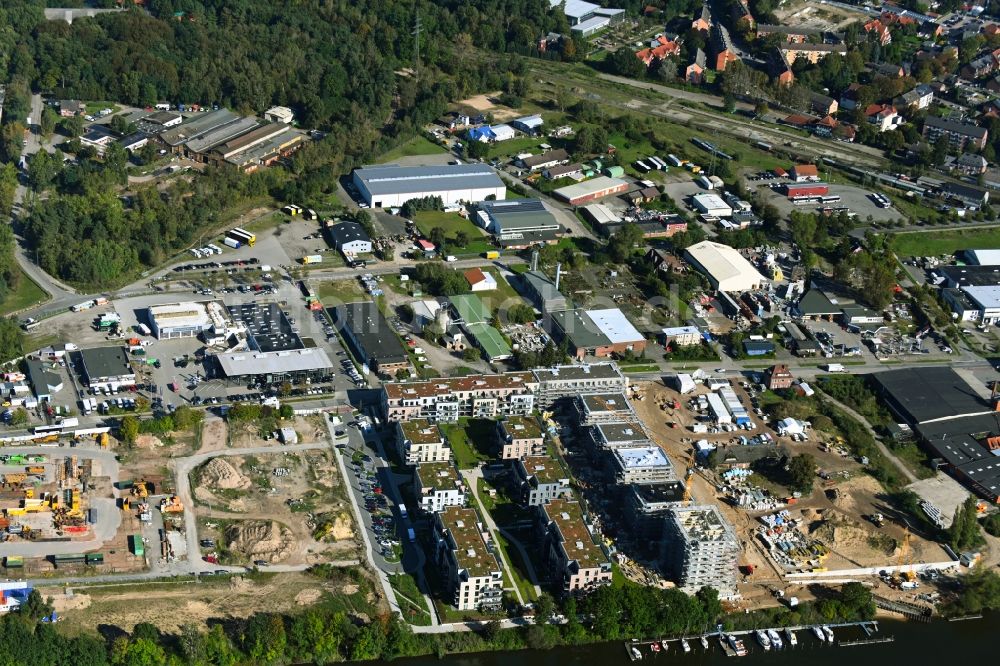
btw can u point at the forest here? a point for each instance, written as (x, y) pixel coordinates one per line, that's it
(350, 69)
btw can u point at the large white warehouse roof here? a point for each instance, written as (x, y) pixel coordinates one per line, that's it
(725, 268)
(396, 179)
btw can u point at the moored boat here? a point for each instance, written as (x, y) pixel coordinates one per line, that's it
(665, 644)
(737, 645)
(819, 634)
(685, 646)
(775, 639)
(829, 633)
(654, 646)
(636, 654)
(704, 642)
(762, 638)
(793, 640)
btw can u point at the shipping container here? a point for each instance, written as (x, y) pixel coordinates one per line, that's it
(144, 329)
(135, 545)
(13, 561)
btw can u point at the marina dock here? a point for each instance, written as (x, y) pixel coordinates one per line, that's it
(642, 649)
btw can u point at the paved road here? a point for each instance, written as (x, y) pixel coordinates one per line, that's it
(60, 294)
(182, 470)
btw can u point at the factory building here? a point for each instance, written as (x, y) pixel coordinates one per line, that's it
(518, 223)
(390, 185)
(599, 333)
(187, 320)
(725, 268)
(106, 368)
(274, 367)
(591, 190)
(372, 340)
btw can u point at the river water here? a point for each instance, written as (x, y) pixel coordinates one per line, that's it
(960, 643)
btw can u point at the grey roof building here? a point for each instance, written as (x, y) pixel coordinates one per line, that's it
(618, 435)
(107, 366)
(540, 290)
(370, 336)
(524, 220)
(350, 238)
(642, 465)
(275, 366)
(43, 381)
(564, 381)
(393, 185)
(539, 479)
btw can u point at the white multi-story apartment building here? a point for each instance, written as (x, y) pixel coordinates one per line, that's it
(438, 485)
(421, 441)
(446, 400)
(465, 556)
(519, 436)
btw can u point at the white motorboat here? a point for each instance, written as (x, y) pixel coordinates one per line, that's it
(819, 634)
(704, 642)
(775, 639)
(684, 645)
(829, 633)
(762, 638)
(793, 640)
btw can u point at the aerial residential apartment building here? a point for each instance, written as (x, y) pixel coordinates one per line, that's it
(565, 381)
(960, 134)
(642, 465)
(570, 551)
(617, 435)
(701, 549)
(539, 479)
(465, 558)
(421, 441)
(438, 485)
(475, 396)
(604, 408)
(519, 436)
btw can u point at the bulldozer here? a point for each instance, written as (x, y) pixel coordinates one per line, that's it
(171, 504)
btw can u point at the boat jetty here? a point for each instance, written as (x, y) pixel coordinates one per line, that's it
(734, 643)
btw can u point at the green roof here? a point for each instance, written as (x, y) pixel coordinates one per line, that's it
(470, 309)
(490, 340)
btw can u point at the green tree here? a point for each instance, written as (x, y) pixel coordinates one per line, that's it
(47, 123)
(801, 472)
(128, 429)
(19, 418)
(964, 531)
(265, 639)
(470, 354)
(625, 63)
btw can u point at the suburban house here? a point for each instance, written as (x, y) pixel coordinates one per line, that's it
(695, 72)
(479, 280)
(883, 116)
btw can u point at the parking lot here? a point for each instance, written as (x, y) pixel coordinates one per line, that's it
(855, 199)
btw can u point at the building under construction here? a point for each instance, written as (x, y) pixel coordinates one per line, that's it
(701, 549)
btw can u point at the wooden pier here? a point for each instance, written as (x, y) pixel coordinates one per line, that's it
(870, 627)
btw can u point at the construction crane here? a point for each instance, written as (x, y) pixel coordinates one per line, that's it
(687, 487)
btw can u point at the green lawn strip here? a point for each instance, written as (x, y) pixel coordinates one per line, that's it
(649, 367)
(517, 568)
(461, 436)
(933, 243)
(410, 600)
(418, 145)
(26, 294)
(346, 291)
(451, 224)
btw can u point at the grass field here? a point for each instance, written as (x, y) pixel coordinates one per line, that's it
(28, 293)
(345, 291)
(418, 145)
(411, 601)
(930, 243)
(452, 223)
(461, 436)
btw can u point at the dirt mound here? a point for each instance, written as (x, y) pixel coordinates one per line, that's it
(308, 597)
(218, 473)
(259, 540)
(148, 442)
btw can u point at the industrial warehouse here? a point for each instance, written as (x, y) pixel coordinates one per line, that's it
(391, 185)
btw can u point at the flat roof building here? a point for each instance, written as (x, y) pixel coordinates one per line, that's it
(539, 479)
(518, 222)
(373, 341)
(197, 126)
(701, 549)
(279, 114)
(571, 551)
(565, 381)
(596, 332)
(267, 326)
(44, 382)
(276, 366)
(421, 441)
(604, 408)
(591, 190)
(180, 320)
(712, 204)
(391, 185)
(619, 435)
(448, 399)
(438, 485)
(107, 367)
(465, 555)
(643, 465)
(518, 437)
(725, 268)
(646, 507)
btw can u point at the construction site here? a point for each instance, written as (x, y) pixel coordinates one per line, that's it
(845, 523)
(274, 508)
(59, 510)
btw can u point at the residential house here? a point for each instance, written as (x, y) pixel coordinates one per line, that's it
(722, 45)
(960, 134)
(888, 70)
(849, 98)
(538, 480)
(880, 30)
(742, 18)
(970, 164)
(917, 99)
(703, 21)
(779, 377)
(812, 53)
(465, 556)
(438, 485)
(974, 197)
(421, 441)
(71, 107)
(822, 104)
(546, 160)
(659, 48)
(518, 437)
(695, 72)
(480, 280)
(883, 116)
(571, 551)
